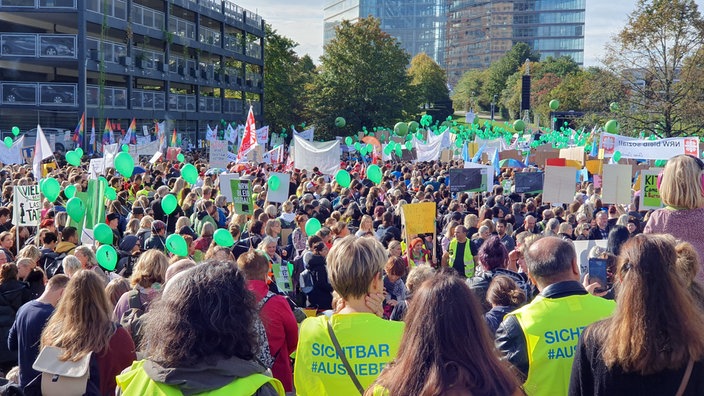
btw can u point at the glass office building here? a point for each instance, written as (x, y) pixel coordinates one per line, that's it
(419, 25)
(189, 61)
(479, 32)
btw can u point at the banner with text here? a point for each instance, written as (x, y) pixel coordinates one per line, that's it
(27, 206)
(648, 149)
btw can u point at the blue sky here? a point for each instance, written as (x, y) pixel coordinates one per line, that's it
(302, 20)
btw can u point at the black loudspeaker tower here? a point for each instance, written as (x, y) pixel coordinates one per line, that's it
(525, 93)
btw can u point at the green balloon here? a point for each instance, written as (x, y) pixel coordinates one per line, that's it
(611, 126)
(79, 151)
(177, 245)
(348, 140)
(388, 149)
(102, 233)
(312, 226)
(357, 146)
(554, 104)
(409, 145)
(8, 142)
(399, 153)
(124, 164)
(107, 257)
(223, 238)
(614, 107)
(519, 125)
(75, 209)
(110, 193)
(180, 157)
(274, 183)
(168, 204)
(125, 148)
(374, 174)
(342, 177)
(370, 148)
(51, 189)
(73, 159)
(70, 191)
(617, 156)
(15, 130)
(401, 128)
(413, 126)
(363, 150)
(189, 173)
(340, 122)
(660, 163)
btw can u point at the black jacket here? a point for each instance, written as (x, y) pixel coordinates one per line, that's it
(480, 284)
(14, 294)
(321, 296)
(511, 341)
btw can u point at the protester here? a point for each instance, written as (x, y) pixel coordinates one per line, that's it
(434, 356)
(355, 267)
(654, 342)
(217, 355)
(504, 295)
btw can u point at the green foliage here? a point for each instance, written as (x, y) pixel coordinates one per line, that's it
(468, 91)
(651, 54)
(362, 78)
(500, 71)
(428, 80)
(285, 78)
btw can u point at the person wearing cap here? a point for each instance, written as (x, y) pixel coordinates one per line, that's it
(157, 240)
(113, 222)
(129, 251)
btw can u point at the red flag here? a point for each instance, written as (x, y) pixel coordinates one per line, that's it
(250, 136)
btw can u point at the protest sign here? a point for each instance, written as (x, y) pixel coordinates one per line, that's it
(262, 135)
(649, 193)
(218, 154)
(487, 172)
(96, 168)
(282, 277)
(242, 196)
(559, 184)
(648, 149)
(224, 181)
(281, 193)
(322, 155)
(616, 184)
(469, 179)
(419, 218)
(573, 153)
(27, 206)
(155, 157)
(528, 182)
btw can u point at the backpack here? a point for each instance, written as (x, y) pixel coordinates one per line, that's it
(305, 281)
(54, 264)
(131, 320)
(59, 377)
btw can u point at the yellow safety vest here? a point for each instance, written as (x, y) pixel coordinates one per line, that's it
(552, 327)
(468, 258)
(137, 382)
(412, 264)
(369, 343)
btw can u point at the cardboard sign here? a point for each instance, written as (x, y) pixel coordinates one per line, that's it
(242, 196)
(559, 185)
(218, 154)
(616, 184)
(487, 175)
(511, 154)
(27, 206)
(224, 181)
(282, 276)
(418, 218)
(543, 155)
(528, 182)
(469, 179)
(281, 193)
(649, 193)
(573, 153)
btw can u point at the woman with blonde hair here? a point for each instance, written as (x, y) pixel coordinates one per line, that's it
(147, 278)
(82, 324)
(682, 192)
(654, 342)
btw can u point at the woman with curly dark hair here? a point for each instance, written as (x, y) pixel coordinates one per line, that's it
(200, 337)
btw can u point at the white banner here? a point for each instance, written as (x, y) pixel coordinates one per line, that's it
(27, 206)
(430, 151)
(274, 156)
(323, 155)
(12, 154)
(96, 168)
(648, 149)
(307, 134)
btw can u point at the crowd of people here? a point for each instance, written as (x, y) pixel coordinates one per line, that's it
(494, 302)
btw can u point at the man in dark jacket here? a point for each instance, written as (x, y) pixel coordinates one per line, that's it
(158, 238)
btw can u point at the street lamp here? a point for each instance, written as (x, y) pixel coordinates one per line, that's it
(493, 104)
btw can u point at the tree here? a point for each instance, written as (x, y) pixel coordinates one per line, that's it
(362, 78)
(428, 80)
(501, 70)
(285, 76)
(468, 91)
(650, 54)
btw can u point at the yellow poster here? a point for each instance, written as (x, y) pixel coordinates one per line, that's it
(419, 218)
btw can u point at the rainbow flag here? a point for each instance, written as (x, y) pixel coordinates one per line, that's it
(107, 132)
(78, 132)
(92, 148)
(174, 139)
(131, 137)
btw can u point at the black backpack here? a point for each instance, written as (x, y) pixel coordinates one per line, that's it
(54, 264)
(131, 320)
